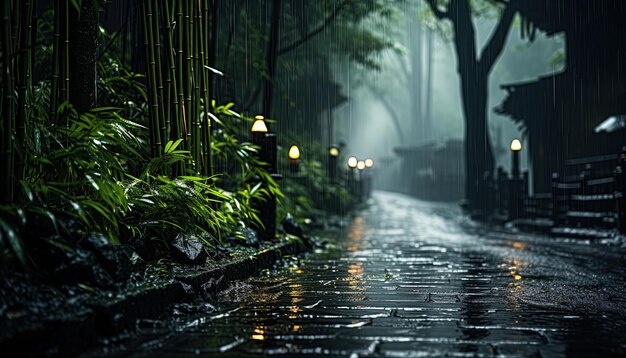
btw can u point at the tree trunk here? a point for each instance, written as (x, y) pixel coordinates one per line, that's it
(479, 161)
(415, 48)
(83, 55)
(429, 85)
(271, 58)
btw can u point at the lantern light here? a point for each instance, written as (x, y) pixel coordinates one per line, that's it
(259, 125)
(294, 152)
(360, 165)
(516, 145)
(352, 162)
(333, 151)
(369, 162)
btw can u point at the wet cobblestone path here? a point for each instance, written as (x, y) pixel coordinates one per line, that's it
(412, 279)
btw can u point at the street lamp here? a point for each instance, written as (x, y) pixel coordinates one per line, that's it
(333, 156)
(516, 199)
(369, 162)
(360, 165)
(352, 162)
(259, 124)
(516, 147)
(294, 159)
(267, 153)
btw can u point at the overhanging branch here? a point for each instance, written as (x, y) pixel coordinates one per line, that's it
(440, 14)
(315, 32)
(495, 45)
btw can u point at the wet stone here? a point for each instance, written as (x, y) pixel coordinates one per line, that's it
(188, 249)
(411, 279)
(115, 259)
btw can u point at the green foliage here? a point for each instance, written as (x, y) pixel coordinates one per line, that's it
(159, 205)
(242, 175)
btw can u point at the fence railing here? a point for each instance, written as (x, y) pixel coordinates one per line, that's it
(589, 194)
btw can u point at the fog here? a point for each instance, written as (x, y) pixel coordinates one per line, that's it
(366, 124)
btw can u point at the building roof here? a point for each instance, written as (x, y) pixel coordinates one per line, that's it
(533, 103)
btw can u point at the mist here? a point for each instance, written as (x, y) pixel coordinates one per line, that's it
(366, 122)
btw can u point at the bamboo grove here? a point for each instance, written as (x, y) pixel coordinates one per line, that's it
(177, 48)
(114, 119)
(177, 42)
(18, 33)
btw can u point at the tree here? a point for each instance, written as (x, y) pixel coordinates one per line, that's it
(474, 72)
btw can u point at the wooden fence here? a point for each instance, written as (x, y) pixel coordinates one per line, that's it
(589, 194)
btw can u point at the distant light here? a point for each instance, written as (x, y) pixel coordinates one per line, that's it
(259, 124)
(516, 145)
(333, 151)
(360, 165)
(352, 162)
(369, 162)
(294, 152)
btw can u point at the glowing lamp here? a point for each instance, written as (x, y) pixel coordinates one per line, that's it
(360, 165)
(294, 152)
(333, 151)
(259, 125)
(516, 145)
(369, 162)
(352, 162)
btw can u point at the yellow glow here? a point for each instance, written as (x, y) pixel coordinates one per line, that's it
(296, 328)
(369, 162)
(294, 152)
(516, 145)
(352, 162)
(259, 125)
(259, 333)
(360, 165)
(333, 151)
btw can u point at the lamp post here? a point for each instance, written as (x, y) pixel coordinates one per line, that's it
(369, 163)
(516, 147)
(333, 156)
(259, 129)
(352, 162)
(360, 165)
(267, 153)
(515, 198)
(294, 159)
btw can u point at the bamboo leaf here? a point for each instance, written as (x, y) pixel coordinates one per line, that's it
(13, 240)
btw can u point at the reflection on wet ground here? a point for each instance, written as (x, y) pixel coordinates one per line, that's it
(414, 279)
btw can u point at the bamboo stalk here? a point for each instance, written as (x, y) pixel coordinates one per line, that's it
(186, 46)
(169, 48)
(152, 86)
(167, 93)
(179, 68)
(205, 37)
(65, 69)
(8, 119)
(54, 82)
(159, 69)
(24, 51)
(197, 73)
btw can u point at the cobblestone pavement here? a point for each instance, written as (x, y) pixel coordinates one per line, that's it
(414, 279)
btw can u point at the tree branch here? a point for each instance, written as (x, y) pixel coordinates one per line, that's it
(440, 14)
(315, 32)
(495, 45)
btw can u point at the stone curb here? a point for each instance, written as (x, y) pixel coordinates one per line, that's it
(111, 318)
